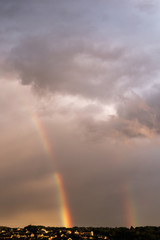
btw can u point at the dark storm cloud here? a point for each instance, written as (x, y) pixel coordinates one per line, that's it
(75, 68)
(81, 67)
(69, 48)
(10, 9)
(69, 54)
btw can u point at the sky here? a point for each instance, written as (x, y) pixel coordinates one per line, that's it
(79, 112)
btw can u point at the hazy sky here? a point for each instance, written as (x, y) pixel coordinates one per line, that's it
(89, 72)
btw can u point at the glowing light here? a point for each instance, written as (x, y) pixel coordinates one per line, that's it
(65, 215)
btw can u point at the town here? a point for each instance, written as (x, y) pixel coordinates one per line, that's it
(40, 232)
(79, 233)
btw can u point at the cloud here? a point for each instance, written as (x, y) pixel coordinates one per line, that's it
(71, 48)
(148, 6)
(134, 119)
(97, 71)
(68, 68)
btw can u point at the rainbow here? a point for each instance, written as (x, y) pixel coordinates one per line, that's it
(129, 202)
(65, 214)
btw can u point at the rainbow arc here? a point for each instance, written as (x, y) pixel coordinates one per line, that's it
(130, 209)
(65, 213)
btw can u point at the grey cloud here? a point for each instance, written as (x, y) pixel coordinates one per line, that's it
(55, 68)
(148, 6)
(10, 9)
(141, 116)
(64, 49)
(80, 67)
(137, 109)
(20, 19)
(135, 118)
(153, 97)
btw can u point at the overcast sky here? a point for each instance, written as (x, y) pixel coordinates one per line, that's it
(89, 71)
